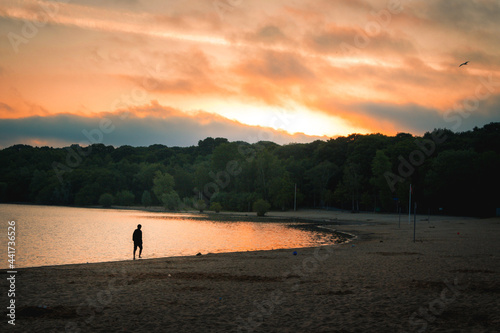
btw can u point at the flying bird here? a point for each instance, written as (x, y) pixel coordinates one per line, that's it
(465, 63)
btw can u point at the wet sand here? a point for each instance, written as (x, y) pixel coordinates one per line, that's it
(381, 281)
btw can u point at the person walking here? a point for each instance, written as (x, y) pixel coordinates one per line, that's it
(137, 238)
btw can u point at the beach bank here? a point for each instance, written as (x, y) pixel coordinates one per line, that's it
(382, 281)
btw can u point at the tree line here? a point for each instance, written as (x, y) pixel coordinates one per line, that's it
(450, 173)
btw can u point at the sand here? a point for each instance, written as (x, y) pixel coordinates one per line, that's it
(381, 281)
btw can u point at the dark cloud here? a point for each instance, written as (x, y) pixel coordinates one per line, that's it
(464, 14)
(119, 129)
(279, 66)
(6, 107)
(354, 40)
(417, 119)
(467, 28)
(329, 40)
(190, 72)
(406, 118)
(268, 34)
(108, 3)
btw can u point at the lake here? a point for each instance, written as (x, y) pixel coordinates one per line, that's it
(49, 235)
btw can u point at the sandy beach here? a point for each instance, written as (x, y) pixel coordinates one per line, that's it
(380, 281)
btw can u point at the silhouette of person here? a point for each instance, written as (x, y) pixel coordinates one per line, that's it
(137, 238)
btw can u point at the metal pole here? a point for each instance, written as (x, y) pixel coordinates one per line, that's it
(295, 199)
(399, 211)
(414, 221)
(409, 208)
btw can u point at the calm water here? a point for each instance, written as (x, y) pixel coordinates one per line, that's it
(48, 235)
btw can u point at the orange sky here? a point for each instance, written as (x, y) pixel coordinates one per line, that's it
(226, 67)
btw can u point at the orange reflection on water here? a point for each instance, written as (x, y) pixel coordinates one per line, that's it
(49, 235)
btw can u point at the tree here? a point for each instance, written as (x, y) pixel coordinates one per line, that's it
(206, 146)
(223, 155)
(146, 199)
(261, 207)
(163, 188)
(352, 181)
(281, 191)
(38, 182)
(216, 207)
(162, 183)
(456, 171)
(267, 167)
(125, 198)
(143, 179)
(106, 200)
(201, 205)
(171, 200)
(183, 180)
(319, 176)
(380, 165)
(3, 191)
(452, 182)
(88, 195)
(202, 179)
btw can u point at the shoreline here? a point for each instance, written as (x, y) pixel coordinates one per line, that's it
(306, 219)
(312, 214)
(446, 281)
(303, 223)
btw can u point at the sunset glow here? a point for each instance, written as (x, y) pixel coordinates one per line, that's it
(304, 69)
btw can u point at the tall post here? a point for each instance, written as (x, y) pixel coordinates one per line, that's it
(295, 199)
(414, 221)
(409, 208)
(399, 211)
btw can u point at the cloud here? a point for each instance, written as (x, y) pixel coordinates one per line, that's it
(102, 19)
(5, 107)
(144, 126)
(356, 41)
(113, 4)
(276, 66)
(464, 15)
(273, 77)
(246, 61)
(418, 119)
(188, 72)
(269, 34)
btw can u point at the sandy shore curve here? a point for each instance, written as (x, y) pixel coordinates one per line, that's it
(381, 281)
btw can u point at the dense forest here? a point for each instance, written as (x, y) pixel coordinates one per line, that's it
(450, 173)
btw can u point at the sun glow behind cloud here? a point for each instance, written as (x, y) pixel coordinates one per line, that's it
(293, 118)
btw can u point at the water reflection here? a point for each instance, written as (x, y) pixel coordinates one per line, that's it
(49, 235)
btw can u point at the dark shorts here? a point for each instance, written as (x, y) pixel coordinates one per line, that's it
(137, 245)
